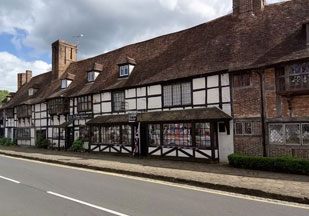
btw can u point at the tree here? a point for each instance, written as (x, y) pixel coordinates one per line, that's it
(3, 94)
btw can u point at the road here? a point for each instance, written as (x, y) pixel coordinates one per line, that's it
(30, 188)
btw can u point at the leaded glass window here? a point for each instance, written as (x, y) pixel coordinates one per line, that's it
(177, 134)
(179, 94)
(305, 134)
(202, 135)
(154, 135)
(276, 134)
(118, 101)
(292, 134)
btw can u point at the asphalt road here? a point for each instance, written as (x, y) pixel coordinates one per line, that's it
(38, 189)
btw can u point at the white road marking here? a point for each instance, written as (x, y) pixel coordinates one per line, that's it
(182, 186)
(87, 204)
(8, 179)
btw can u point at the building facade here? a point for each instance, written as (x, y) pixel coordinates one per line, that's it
(235, 84)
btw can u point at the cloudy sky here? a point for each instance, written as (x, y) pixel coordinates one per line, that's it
(28, 27)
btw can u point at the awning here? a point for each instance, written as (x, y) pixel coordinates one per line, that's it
(64, 125)
(210, 114)
(109, 119)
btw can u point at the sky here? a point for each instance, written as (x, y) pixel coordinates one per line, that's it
(27, 28)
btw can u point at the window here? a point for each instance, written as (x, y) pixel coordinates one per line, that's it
(65, 83)
(84, 133)
(32, 91)
(289, 134)
(58, 133)
(96, 135)
(154, 134)
(92, 76)
(113, 135)
(110, 135)
(58, 106)
(241, 80)
(23, 133)
(124, 70)
(84, 103)
(24, 111)
(202, 135)
(118, 102)
(9, 113)
(244, 128)
(178, 134)
(293, 78)
(179, 94)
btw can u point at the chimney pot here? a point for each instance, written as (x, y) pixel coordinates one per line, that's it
(245, 6)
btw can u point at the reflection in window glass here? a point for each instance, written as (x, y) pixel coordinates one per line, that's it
(292, 133)
(126, 134)
(276, 134)
(178, 134)
(154, 135)
(305, 128)
(110, 135)
(96, 135)
(202, 135)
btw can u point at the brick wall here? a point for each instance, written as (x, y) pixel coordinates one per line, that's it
(247, 145)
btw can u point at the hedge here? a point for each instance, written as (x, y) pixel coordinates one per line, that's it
(284, 164)
(6, 142)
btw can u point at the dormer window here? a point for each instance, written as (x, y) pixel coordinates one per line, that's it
(124, 70)
(126, 67)
(92, 75)
(32, 91)
(65, 83)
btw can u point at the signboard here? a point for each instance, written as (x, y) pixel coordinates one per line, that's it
(132, 117)
(80, 117)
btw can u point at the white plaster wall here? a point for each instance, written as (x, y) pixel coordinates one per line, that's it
(198, 83)
(226, 94)
(106, 106)
(131, 104)
(199, 97)
(96, 108)
(225, 80)
(43, 107)
(106, 96)
(226, 144)
(96, 98)
(141, 103)
(154, 102)
(141, 91)
(227, 109)
(212, 81)
(154, 89)
(213, 95)
(129, 93)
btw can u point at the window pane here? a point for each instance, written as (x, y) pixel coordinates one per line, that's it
(118, 100)
(126, 135)
(186, 93)
(292, 132)
(154, 135)
(178, 134)
(305, 128)
(248, 128)
(176, 95)
(276, 134)
(96, 135)
(202, 135)
(167, 95)
(238, 128)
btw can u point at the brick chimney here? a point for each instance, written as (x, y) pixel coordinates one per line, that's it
(23, 78)
(63, 53)
(245, 6)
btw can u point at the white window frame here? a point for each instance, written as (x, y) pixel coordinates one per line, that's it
(91, 76)
(124, 70)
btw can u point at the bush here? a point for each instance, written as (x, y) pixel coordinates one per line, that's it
(78, 145)
(6, 142)
(284, 164)
(41, 142)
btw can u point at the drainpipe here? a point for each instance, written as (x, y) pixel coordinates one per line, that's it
(260, 74)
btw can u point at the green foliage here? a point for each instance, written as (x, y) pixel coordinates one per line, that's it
(78, 145)
(3, 94)
(41, 142)
(6, 142)
(284, 164)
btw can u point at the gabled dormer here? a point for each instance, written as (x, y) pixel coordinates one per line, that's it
(126, 67)
(33, 90)
(67, 81)
(94, 72)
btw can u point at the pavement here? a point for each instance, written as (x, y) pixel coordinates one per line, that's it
(33, 188)
(280, 186)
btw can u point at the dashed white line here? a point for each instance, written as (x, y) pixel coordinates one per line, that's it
(87, 204)
(8, 179)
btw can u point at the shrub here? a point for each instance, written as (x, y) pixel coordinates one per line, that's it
(41, 142)
(285, 164)
(78, 145)
(6, 142)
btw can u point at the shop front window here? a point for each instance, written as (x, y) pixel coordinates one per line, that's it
(178, 134)
(154, 135)
(202, 135)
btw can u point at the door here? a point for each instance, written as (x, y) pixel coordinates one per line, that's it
(69, 137)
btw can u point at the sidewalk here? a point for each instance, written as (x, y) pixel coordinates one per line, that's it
(286, 187)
